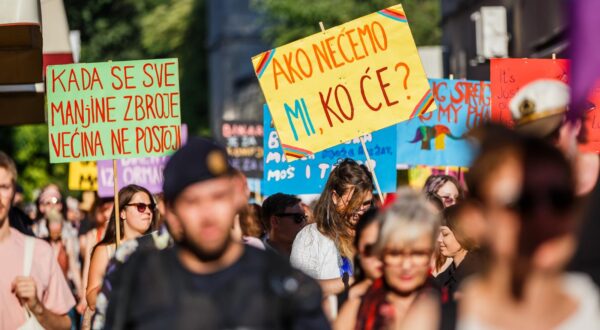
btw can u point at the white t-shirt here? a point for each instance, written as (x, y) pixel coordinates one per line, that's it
(578, 286)
(315, 254)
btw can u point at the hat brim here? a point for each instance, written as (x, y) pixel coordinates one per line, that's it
(541, 127)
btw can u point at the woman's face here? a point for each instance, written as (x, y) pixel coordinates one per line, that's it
(343, 201)
(449, 246)
(406, 265)
(138, 213)
(369, 262)
(448, 192)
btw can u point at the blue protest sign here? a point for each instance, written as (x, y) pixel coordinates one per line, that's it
(438, 138)
(309, 175)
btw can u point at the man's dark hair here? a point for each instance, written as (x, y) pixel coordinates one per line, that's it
(276, 204)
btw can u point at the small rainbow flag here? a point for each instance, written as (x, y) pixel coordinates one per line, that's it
(423, 105)
(265, 58)
(394, 14)
(295, 151)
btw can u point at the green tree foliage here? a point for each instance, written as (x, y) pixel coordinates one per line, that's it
(290, 20)
(31, 154)
(139, 29)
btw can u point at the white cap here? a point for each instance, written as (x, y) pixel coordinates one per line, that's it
(538, 108)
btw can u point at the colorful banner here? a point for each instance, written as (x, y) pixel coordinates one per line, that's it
(344, 82)
(438, 138)
(146, 172)
(244, 142)
(113, 110)
(309, 175)
(83, 176)
(510, 74)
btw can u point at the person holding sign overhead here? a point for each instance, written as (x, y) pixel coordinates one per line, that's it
(325, 248)
(136, 217)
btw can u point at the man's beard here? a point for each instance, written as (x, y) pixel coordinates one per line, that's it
(203, 255)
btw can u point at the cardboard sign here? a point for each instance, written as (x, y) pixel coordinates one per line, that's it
(309, 175)
(244, 142)
(113, 110)
(146, 172)
(438, 138)
(509, 75)
(83, 176)
(345, 82)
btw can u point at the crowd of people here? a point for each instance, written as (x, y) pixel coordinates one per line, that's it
(512, 247)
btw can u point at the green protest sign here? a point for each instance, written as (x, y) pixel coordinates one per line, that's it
(113, 110)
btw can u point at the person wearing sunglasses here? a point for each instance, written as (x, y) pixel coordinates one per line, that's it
(367, 266)
(324, 249)
(445, 187)
(137, 216)
(283, 217)
(527, 188)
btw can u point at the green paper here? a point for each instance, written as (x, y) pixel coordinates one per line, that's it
(113, 110)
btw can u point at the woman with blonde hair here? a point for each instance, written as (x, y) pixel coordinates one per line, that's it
(409, 228)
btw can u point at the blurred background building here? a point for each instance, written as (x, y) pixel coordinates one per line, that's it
(473, 31)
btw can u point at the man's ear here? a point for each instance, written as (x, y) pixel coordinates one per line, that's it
(274, 221)
(173, 223)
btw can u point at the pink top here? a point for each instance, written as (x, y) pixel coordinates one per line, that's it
(51, 285)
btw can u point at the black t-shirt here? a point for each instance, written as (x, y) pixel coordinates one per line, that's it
(259, 291)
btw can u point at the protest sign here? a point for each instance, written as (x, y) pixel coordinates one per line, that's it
(438, 138)
(244, 142)
(113, 110)
(509, 75)
(309, 175)
(344, 82)
(146, 172)
(83, 176)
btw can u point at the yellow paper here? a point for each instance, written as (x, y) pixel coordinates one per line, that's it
(347, 81)
(83, 176)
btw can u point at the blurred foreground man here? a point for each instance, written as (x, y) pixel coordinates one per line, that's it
(33, 291)
(539, 109)
(208, 281)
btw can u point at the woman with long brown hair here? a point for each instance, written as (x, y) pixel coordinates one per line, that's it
(324, 249)
(529, 198)
(137, 216)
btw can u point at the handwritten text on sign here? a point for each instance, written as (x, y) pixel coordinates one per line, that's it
(309, 175)
(113, 110)
(344, 82)
(244, 142)
(438, 138)
(509, 75)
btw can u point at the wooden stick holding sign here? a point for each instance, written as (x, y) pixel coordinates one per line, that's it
(364, 146)
(117, 215)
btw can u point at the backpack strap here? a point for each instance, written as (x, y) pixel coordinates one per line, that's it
(28, 258)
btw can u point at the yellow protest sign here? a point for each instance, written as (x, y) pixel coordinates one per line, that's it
(344, 82)
(83, 176)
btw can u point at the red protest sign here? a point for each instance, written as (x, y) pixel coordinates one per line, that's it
(508, 75)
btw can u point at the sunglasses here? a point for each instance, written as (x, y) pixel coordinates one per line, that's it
(298, 217)
(52, 201)
(368, 250)
(141, 207)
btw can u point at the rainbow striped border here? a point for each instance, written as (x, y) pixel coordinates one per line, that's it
(265, 59)
(423, 105)
(393, 14)
(295, 151)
